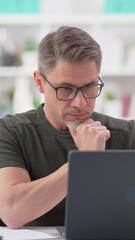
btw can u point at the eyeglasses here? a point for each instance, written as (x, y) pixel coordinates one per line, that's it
(67, 92)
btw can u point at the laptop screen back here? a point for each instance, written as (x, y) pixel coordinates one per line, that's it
(101, 195)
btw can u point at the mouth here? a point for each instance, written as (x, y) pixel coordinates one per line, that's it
(79, 115)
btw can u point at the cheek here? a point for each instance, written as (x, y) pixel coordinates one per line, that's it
(50, 96)
(54, 105)
(91, 103)
(62, 107)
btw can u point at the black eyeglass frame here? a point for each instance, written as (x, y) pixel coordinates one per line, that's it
(101, 85)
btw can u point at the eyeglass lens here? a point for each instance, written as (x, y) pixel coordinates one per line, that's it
(67, 93)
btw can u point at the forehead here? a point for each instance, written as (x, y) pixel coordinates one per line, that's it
(70, 72)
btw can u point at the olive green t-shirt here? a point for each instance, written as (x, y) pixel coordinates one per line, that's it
(29, 141)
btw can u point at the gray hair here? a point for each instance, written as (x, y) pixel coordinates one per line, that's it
(71, 44)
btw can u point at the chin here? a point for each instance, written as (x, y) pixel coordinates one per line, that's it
(73, 124)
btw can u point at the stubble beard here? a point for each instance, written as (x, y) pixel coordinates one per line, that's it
(73, 125)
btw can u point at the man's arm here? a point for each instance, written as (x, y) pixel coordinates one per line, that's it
(23, 200)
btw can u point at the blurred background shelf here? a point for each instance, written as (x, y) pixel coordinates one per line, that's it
(39, 19)
(20, 34)
(16, 71)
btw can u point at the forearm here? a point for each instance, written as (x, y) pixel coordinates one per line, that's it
(28, 201)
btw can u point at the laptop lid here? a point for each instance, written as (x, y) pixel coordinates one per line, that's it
(101, 195)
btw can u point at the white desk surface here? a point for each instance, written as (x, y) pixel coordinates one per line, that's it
(30, 233)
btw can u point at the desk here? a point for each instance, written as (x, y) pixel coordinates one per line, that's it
(48, 230)
(35, 233)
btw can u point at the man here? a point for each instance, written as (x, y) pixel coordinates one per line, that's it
(34, 144)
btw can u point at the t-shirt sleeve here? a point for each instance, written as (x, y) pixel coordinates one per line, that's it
(11, 154)
(132, 134)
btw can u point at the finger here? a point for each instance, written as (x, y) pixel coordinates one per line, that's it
(101, 128)
(91, 123)
(73, 133)
(72, 130)
(95, 123)
(107, 134)
(88, 121)
(72, 126)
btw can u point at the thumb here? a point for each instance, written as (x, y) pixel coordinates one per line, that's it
(72, 130)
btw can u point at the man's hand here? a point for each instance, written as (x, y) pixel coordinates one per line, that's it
(90, 135)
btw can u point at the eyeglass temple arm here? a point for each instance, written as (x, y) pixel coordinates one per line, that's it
(101, 81)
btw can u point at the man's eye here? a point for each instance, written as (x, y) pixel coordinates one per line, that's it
(68, 89)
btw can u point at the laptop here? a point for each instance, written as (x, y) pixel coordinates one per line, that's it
(101, 195)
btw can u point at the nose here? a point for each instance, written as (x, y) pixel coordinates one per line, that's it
(79, 101)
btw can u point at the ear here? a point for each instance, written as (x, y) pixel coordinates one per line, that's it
(39, 81)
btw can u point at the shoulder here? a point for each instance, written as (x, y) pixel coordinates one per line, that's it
(114, 124)
(122, 131)
(33, 117)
